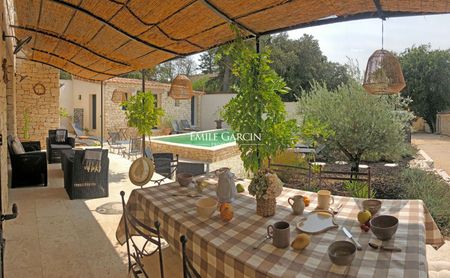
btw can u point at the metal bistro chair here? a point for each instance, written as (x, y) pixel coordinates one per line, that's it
(134, 148)
(114, 142)
(137, 253)
(188, 269)
(165, 165)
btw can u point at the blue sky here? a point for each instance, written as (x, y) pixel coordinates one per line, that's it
(359, 39)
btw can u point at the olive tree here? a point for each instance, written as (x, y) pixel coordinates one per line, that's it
(354, 122)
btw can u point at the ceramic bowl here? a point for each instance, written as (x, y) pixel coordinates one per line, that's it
(384, 226)
(342, 252)
(372, 205)
(184, 179)
(206, 207)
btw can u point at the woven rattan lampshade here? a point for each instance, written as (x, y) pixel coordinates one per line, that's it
(383, 74)
(181, 88)
(118, 96)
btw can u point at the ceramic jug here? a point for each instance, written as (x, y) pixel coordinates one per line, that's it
(226, 189)
(297, 204)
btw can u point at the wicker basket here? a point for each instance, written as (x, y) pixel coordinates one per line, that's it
(265, 207)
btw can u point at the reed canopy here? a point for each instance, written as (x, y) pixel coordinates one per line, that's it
(100, 39)
(383, 74)
(181, 88)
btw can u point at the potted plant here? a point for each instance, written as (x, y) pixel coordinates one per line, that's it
(266, 187)
(219, 120)
(142, 114)
(258, 112)
(166, 125)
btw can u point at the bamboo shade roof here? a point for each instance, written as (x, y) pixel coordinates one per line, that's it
(100, 39)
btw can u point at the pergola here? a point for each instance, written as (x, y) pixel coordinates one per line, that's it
(100, 39)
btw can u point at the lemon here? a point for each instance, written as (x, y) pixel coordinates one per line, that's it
(240, 188)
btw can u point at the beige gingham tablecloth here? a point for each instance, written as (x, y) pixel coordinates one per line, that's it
(221, 249)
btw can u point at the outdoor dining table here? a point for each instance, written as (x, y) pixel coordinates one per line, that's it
(226, 249)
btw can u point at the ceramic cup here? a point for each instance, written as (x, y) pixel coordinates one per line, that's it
(324, 199)
(280, 234)
(297, 204)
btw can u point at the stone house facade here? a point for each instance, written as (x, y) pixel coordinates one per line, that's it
(77, 98)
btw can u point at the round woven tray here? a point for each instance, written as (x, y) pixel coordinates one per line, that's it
(266, 207)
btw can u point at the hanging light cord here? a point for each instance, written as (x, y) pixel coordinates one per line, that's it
(382, 34)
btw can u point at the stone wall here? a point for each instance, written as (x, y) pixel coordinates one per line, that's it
(6, 90)
(42, 110)
(443, 123)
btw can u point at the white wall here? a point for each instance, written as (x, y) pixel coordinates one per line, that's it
(65, 96)
(210, 103)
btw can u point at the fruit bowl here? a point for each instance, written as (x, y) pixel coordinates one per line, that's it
(384, 226)
(206, 207)
(372, 205)
(184, 179)
(341, 252)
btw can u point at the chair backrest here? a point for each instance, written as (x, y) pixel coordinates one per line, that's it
(191, 168)
(52, 136)
(185, 124)
(135, 145)
(188, 269)
(78, 130)
(114, 137)
(135, 252)
(175, 125)
(165, 164)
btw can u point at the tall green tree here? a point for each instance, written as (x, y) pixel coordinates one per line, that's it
(355, 122)
(257, 108)
(142, 113)
(427, 76)
(300, 62)
(207, 61)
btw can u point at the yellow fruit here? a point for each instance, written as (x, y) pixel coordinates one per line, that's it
(240, 188)
(301, 241)
(364, 216)
(226, 212)
(306, 200)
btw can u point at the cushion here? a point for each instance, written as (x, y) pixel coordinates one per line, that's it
(60, 146)
(17, 146)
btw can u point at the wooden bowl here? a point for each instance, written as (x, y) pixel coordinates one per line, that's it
(384, 226)
(206, 207)
(372, 205)
(184, 179)
(342, 252)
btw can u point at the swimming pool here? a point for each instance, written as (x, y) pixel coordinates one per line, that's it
(208, 146)
(209, 138)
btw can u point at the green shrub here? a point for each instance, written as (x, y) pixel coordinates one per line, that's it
(358, 189)
(433, 190)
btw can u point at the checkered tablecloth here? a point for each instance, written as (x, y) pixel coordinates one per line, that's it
(221, 249)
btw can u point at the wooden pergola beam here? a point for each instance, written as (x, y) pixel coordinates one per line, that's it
(46, 33)
(228, 18)
(379, 9)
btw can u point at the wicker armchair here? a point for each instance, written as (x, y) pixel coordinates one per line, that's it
(81, 184)
(29, 168)
(55, 147)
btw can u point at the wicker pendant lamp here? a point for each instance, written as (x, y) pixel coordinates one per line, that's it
(118, 97)
(383, 74)
(181, 88)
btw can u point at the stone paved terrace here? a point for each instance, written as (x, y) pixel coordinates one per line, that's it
(54, 236)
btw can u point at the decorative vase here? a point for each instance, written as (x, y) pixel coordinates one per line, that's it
(266, 207)
(226, 189)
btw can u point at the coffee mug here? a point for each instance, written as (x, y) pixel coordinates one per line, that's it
(297, 204)
(324, 199)
(280, 234)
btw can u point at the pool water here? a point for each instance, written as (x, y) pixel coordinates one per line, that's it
(201, 139)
